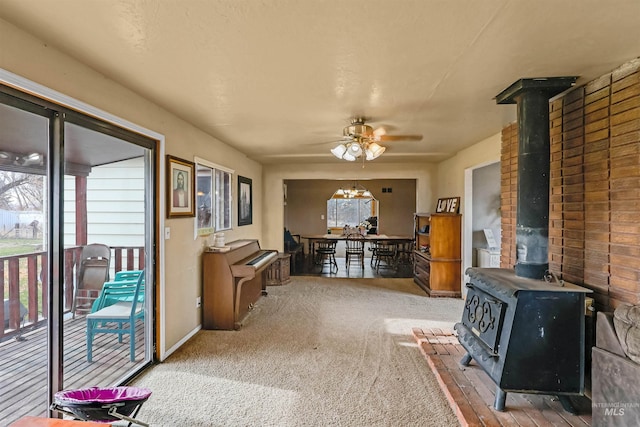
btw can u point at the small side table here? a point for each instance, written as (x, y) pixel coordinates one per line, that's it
(279, 273)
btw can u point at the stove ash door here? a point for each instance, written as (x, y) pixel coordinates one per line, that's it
(484, 315)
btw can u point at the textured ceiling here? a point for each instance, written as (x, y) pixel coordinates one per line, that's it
(278, 79)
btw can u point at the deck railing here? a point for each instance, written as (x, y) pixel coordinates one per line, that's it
(25, 276)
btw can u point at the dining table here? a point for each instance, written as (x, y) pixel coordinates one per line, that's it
(312, 238)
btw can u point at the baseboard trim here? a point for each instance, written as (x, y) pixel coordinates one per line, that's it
(180, 343)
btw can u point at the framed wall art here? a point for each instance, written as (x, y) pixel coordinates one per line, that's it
(245, 201)
(180, 188)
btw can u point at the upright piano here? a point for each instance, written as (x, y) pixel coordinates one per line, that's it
(232, 282)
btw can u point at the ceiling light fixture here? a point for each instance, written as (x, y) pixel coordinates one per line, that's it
(18, 159)
(360, 147)
(31, 159)
(357, 191)
(360, 141)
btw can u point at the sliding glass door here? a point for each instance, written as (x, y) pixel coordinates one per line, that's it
(24, 257)
(77, 213)
(105, 233)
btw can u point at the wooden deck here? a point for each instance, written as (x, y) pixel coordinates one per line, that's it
(471, 392)
(23, 366)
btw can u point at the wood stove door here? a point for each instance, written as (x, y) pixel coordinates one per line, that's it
(483, 315)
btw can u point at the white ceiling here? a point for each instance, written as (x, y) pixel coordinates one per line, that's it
(279, 78)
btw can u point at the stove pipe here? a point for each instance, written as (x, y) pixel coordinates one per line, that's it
(532, 215)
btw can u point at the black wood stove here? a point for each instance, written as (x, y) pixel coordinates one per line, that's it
(527, 334)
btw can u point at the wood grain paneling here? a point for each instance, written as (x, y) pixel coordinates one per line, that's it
(594, 192)
(624, 283)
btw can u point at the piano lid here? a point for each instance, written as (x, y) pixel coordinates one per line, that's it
(248, 267)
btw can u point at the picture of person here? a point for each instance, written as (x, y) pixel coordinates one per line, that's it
(180, 194)
(180, 197)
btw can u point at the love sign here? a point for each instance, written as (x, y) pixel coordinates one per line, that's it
(448, 205)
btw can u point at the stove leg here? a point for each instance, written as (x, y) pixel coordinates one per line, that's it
(567, 405)
(466, 359)
(501, 397)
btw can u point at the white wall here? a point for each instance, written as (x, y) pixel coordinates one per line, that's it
(486, 203)
(454, 179)
(180, 259)
(451, 172)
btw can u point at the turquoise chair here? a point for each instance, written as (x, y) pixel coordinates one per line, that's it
(127, 275)
(124, 277)
(120, 316)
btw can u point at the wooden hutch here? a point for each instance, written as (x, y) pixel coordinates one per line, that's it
(437, 256)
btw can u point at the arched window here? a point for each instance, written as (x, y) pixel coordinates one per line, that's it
(352, 207)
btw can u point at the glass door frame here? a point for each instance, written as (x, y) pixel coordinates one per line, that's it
(57, 114)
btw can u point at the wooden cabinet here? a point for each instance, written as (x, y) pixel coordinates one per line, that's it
(437, 255)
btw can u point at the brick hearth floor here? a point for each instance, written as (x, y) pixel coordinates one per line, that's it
(471, 392)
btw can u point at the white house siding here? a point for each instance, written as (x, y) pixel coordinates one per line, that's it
(115, 205)
(8, 220)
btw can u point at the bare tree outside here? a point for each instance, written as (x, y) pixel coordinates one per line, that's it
(20, 191)
(20, 194)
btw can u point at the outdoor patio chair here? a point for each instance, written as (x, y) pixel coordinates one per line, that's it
(118, 318)
(122, 278)
(93, 271)
(127, 275)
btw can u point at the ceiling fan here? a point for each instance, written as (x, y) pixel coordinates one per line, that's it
(359, 129)
(360, 139)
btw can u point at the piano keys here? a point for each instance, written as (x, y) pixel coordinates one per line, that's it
(232, 283)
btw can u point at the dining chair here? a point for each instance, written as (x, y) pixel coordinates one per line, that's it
(120, 317)
(386, 253)
(373, 248)
(325, 252)
(404, 254)
(354, 249)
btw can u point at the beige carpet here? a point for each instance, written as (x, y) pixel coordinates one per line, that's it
(315, 352)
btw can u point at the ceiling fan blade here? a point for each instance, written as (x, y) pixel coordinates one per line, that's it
(333, 141)
(378, 132)
(384, 138)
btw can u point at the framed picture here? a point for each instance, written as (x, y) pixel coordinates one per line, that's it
(180, 188)
(448, 205)
(244, 201)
